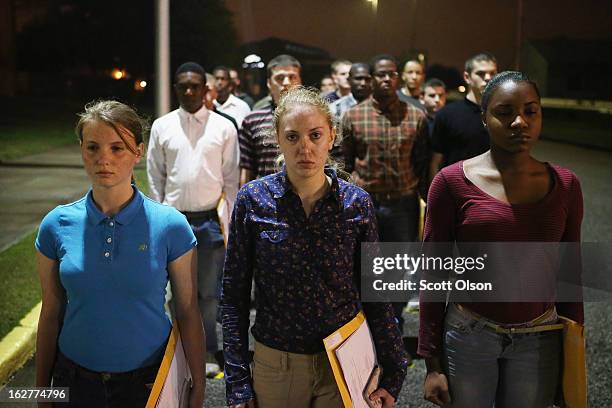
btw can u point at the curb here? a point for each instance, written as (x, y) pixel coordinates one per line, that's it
(19, 344)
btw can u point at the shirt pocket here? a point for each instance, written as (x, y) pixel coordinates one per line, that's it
(274, 236)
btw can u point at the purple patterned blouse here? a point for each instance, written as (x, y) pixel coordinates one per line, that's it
(307, 277)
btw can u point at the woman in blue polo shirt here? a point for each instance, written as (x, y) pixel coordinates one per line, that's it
(104, 262)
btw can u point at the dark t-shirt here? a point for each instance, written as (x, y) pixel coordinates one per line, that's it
(458, 132)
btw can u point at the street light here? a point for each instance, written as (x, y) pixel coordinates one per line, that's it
(374, 5)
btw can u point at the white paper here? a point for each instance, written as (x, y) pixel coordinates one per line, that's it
(357, 357)
(175, 392)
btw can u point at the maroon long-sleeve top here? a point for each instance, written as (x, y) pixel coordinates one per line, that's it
(457, 210)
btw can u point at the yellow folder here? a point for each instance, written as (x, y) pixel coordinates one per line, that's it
(332, 342)
(574, 364)
(173, 380)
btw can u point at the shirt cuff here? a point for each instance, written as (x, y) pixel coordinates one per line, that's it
(239, 392)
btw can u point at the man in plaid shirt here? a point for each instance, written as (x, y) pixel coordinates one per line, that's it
(386, 148)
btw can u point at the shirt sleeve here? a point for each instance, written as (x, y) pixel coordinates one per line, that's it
(388, 342)
(421, 156)
(573, 224)
(439, 133)
(156, 165)
(179, 235)
(235, 303)
(230, 167)
(439, 226)
(46, 239)
(348, 143)
(247, 148)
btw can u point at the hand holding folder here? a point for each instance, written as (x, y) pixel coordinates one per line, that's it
(352, 356)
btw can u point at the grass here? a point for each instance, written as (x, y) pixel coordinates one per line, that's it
(35, 125)
(19, 142)
(21, 290)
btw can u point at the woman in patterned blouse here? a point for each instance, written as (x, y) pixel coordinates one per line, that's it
(297, 233)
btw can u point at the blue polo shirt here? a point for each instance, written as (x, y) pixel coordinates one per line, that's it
(114, 272)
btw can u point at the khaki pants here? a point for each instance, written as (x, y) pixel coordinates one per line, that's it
(284, 380)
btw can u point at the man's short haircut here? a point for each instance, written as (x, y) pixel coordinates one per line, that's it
(336, 64)
(382, 57)
(435, 83)
(483, 56)
(190, 67)
(221, 68)
(357, 65)
(283, 60)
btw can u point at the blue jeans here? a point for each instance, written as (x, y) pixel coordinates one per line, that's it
(487, 369)
(211, 254)
(88, 389)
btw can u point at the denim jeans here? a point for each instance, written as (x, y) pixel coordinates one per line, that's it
(88, 389)
(487, 369)
(211, 253)
(398, 221)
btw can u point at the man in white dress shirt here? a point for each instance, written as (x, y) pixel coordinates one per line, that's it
(226, 102)
(192, 165)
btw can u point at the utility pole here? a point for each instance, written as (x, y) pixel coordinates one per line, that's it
(162, 57)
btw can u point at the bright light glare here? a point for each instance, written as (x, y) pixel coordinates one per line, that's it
(143, 84)
(252, 58)
(117, 74)
(461, 88)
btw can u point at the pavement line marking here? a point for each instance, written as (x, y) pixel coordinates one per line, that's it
(19, 344)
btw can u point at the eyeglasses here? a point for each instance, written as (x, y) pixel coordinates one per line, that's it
(383, 75)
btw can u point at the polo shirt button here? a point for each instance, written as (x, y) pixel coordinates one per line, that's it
(109, 240)
(106, 254)
(111, 224)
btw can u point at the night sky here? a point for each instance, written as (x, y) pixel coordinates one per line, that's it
(448, 31)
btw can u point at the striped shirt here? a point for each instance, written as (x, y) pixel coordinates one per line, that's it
(258, 149)
(457, 210)
(389, 150)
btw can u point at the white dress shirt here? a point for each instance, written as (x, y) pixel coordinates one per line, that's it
(193, 160)
(235, 107)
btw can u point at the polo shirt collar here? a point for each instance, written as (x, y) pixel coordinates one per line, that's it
(279, 185)
(124, 217)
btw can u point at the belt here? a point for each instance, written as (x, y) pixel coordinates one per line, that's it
(533, 326)
(390, 196)
(98, 375)
(201, 215)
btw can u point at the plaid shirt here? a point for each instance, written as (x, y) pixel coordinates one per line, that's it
(258, 149)
(388, 150)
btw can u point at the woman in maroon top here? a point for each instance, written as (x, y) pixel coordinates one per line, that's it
(502, 195)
